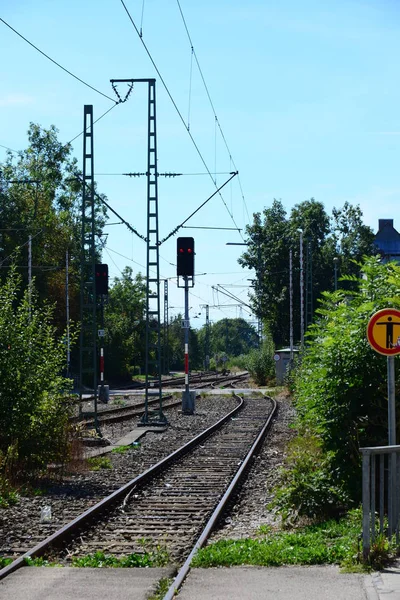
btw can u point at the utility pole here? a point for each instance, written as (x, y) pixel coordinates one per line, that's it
(67, 310)
(335, 262)
(309, 286)
(291, 302)
(301, 291)
(30, 274)
(166, 332)
(207, 339)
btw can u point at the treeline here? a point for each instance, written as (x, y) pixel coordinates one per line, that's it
(40, 222)
(341, 237)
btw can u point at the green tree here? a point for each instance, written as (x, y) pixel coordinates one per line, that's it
(176, 346)
(34, 410)
(270, 238)
(340, 386)
(124, 320)
(232, 337)
(40, 195)
(268, 255)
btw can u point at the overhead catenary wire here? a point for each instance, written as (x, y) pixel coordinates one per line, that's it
(217, 123)
(56, 63)
(177, 109)
(197, 210)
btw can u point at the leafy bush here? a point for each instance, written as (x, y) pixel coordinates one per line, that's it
(99, 462)
(340, 386)
(34, 408)
(311, 484)
(260, 363)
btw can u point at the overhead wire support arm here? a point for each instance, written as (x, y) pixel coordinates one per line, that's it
(132, 229)
(197, 209)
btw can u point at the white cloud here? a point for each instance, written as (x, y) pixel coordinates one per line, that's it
(15, 100)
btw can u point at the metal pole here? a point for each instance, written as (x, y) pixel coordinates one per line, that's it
(30, 273)
(102, 391)
(187, 404)
(186, 336)
(391, 401)
(291, 302)
(301, 292)
(335, 261)
(67, 311)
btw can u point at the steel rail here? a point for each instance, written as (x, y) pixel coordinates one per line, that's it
(95, 511)
(184, 570)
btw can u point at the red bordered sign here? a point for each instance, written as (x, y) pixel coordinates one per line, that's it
(383, 331)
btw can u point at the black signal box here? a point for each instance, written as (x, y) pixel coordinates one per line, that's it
(101, 279)
(185, 257)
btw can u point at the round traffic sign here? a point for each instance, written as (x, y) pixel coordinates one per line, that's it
(383, 331)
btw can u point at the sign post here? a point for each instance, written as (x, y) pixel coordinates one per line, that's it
(383, 333)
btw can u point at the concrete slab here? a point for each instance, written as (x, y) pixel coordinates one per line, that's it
(281, 583)
(57, 583)
(387, 582)
(129, 438)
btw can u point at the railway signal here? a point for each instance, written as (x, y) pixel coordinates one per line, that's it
(101, 278)
(185, 256)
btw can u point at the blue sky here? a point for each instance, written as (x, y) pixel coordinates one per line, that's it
(306, 93)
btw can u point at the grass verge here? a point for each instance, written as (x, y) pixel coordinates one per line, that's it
(331, 542)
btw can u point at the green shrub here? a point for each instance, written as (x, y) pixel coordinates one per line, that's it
(99, 462)
(340, 387)
(34, 408)
(311, 484)
(260, 363)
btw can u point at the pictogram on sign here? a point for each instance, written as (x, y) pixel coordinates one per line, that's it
(383, 331)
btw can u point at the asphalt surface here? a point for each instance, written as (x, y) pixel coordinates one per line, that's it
(236, 583)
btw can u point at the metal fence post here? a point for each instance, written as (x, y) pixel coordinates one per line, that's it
(366, 502)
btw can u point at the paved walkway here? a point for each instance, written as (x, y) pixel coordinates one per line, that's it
(236, 583)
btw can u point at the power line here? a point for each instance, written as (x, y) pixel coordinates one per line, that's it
(177, 110)
(56, 63)
(211, 103)
(7, 148)
(197, 210)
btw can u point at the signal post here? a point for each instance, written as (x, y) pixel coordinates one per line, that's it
(101, 273)
(185, 269)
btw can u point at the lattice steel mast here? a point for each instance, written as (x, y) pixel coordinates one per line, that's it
(88, 314)
(153, 326)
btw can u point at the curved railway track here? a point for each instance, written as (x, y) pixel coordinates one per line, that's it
(108, 415)
(173, 505)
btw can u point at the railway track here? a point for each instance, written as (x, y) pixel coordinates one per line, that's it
(170, 504)
(111, 415)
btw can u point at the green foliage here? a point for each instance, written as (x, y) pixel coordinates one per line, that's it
(124, 449)
(260, 363)
(125, 325)
(230, 337)
(5, 561)
(155, 558)
(41, 194)
(310, 482)
(273, 234)
(40, 562)
(331, 542)
(99, 462)
(341, 384)
(162, 588)
(34, 409)
(8, 496)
